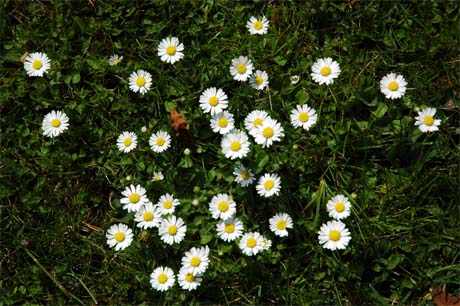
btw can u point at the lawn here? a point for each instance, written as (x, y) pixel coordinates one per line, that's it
(356, 155)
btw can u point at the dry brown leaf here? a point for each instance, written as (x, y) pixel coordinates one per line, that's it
(23, 57)
(444, 298)
(180, 125)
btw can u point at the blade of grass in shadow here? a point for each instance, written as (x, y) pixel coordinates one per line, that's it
(55, 281)
(84, 286)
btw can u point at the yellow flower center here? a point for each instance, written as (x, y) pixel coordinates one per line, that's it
(162, 278)
(229, 228)
(189, 277)
(334, 235)
(213, 101)
(195, 262)
(257, 122)
(258, 25)
(171, 50)
(235, 146)
(127, 142)
(245, 175)
(116, 61)
(119, 236)
(222, 122)
(251, 243)
(140, 81)
(134, 198)
(339, 207)
(148, 216)
(172, 230)
(223, 206)
(160, 141)
(157, 178)
(268, 132)
(269, 184)
(325, 71)
(168, 204)
(303, 117)
(393, 86)
(428, 120)
(281, 225)
(241, 68)
(55, 122)
(259, 80)
(37, 64)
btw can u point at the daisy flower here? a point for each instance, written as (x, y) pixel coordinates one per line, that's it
(243, 176)
(254, 120)
(251, 243)
(160, 141)
(279, 224)
(425, 120)
(257, 26)
(241, 68)
(196, 260)
(167, 204)
(393, 86)
(266, 243)
(213, 100)
(334, 235)
(162, 278)
(170, 50)
(55, 123)
(134, 198)
(148, 216)
(126, 142)
(172, 230)
(222, 122)
(36, 64)
(269, 184)
(259, 80)
(325, 70)
(268, 132)
(157, 176)
(235, 144)
(230, 229)
(140, 81)
(187, 280)
(339, 207)
(222, 206)
(303, 116)
(115, 60)
(119, 236)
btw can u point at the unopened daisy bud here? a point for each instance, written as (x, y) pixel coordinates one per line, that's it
(295, 79)
(144, 129)
(196, 189)
(195, 202)
(295, 146)
(199, 150)
(187, 151)
(129, 177)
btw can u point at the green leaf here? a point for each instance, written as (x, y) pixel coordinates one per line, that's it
(280, 60)
(394, 260)
(380, 111)
(206, 237)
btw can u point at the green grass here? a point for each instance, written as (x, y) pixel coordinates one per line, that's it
(59, 196)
